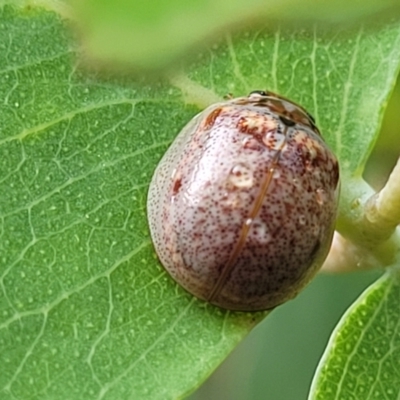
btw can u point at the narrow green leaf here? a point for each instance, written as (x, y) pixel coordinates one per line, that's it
(362, 360)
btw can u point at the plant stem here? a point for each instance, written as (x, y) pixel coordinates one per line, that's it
(344, 256)
(382, 211)
(369, 236)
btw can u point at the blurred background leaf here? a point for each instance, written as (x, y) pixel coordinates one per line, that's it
(149, 35)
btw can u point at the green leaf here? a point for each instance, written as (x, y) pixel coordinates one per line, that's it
(86, 311)
(362, 360)
(153, 34)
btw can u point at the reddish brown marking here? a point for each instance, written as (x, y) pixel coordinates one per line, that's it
(288, 208)
(255, 125)
(177, 186)
(247, 125)
(241, 125)
(210, 120)
(252, 144)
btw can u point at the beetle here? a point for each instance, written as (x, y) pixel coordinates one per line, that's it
(242, 206)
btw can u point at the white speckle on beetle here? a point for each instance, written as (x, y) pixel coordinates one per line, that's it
(320, 193)
(243, 204)
(241, 176)
(302, 219)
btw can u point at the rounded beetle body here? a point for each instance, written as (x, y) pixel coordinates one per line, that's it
(243, 204)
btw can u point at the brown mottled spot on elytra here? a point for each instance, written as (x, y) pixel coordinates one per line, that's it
(288, 207)
(311, 153)
(177, 186)
(250, 143)
(210, 119)
(301, 137)
(256, 124)
(274, 140)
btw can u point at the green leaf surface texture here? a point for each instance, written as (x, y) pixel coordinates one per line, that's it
(86, 311)
(363, 357)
